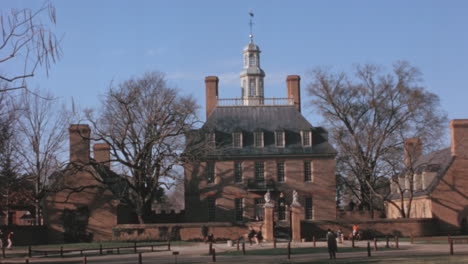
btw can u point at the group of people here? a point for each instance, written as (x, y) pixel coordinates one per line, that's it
(255, 235)
(9, 239)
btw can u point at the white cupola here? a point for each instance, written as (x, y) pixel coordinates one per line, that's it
(252, 75)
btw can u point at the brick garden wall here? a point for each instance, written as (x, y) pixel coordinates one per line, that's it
(25, 235)
(373, 228)
(177, 231)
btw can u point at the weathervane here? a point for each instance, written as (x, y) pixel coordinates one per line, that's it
(251, 24)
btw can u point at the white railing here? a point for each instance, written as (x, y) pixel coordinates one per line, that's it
(255, 101)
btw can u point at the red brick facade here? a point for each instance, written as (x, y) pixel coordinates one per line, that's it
(212, 190)
(80, 195)
(446, 196)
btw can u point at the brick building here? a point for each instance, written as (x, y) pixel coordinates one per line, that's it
(82, 209)
(439, 182)
(258, 144)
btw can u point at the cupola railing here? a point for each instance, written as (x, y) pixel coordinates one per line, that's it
(255, 101)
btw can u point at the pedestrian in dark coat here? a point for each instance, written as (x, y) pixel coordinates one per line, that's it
(331, 243)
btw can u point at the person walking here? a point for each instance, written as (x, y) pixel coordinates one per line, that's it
(331, 244)
(10, 240)
(355, 230)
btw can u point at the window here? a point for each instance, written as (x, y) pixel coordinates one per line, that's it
(210, 172)
(252, 87)
(237, 172)
(211, 208)
(280, 171)
(239, 209)
(306, 138)
(251, 60)
(309, 209)
(279, 138)
(307, 171)
(237, 139)
(258, 139)
(212, 139)
(259, 172)
(259, 210)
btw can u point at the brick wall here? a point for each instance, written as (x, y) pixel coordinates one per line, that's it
(26, 235)
(99, 202)
(372, 228)
(174, 232)
(421, 207)
(449, 199)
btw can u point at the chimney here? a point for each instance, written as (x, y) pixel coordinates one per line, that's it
(79, 143)
(294, 90)
(211, 84)
(413, 149)
(459, 138)
(102, 153)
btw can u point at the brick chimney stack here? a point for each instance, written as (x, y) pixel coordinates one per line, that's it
(211, 84)
(79, 143)
(294, 90)
(102, 153)
(459, 138)
(413, 150)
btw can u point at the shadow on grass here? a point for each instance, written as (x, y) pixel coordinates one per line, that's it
(294, 251)
(399, 260)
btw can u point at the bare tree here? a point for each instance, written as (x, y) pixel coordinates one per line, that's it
(42, 128)
(369, 114)
(26, 44)
(9, 165)
(144, 122)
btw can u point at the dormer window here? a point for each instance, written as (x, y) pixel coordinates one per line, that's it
(211, 137)
(280, 139)
(306, 138)
(258, 139)
(237, 139)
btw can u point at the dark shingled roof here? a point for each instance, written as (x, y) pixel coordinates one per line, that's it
(226, 120)
(438, 161)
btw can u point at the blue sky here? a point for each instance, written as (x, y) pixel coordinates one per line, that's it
(104, 41)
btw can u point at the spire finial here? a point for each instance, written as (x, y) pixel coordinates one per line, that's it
(251, 14)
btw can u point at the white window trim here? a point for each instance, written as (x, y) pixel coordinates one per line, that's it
(212, 139)
(311, 170)
(303, 132)
(256, 133)
(240, 139)
(284, 172)
(283, 144)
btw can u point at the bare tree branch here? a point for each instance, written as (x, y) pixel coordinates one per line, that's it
(370, 113)
(26, 43)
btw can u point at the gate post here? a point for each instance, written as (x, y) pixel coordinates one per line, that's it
(268, 231)
(297, 212)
